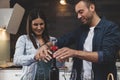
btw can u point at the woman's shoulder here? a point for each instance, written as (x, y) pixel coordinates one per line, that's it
(23, 37)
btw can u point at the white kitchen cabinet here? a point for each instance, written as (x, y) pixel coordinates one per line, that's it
(14, 74)
(10, 74)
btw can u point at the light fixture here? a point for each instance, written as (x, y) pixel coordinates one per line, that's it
(3, 28)
(10, 18)
(63, 2)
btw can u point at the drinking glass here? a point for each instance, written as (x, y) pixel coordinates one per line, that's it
(68, 74)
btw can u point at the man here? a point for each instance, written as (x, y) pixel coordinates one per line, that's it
(97, 43)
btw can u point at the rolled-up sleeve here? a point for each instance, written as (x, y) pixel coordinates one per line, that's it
(110, 44)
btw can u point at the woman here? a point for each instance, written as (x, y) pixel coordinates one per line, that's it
(27, 48)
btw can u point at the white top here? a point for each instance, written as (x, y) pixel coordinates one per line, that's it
(87, 66)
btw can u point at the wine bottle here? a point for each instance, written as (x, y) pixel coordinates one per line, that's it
(54, 71)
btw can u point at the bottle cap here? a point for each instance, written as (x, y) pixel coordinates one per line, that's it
(54, 48)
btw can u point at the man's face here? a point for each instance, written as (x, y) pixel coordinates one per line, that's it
(84, 13)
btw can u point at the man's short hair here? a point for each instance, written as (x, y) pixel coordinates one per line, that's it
(73, 2)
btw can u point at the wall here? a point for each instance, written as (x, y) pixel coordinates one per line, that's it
(4, 46)
(4, 3)
(4, 38)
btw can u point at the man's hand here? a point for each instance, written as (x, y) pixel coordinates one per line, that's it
(64, 53)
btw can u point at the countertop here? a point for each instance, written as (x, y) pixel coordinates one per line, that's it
(9, 65)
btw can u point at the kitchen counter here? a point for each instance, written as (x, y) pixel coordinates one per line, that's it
(13, 72)
(9, 65)
(8, 71)
(10, 74)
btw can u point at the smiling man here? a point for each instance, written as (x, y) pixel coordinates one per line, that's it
(97, 43)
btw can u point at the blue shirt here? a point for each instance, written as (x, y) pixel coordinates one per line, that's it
(24, 56)
(106, 42)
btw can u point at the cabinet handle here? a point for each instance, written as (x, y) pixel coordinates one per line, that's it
(17, 75)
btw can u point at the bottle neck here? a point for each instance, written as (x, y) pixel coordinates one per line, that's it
(53, 62)
(53, 49)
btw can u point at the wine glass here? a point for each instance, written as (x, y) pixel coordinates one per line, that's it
(68, 74)
(69, 64)
(85, 76)
(73, 74)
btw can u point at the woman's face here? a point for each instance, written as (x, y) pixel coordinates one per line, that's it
(38, 26)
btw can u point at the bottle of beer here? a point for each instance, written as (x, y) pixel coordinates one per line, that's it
(54, 71)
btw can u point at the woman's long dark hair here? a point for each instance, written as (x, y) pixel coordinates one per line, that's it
(34, 14)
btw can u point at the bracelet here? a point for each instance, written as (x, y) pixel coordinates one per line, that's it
(46, 45)
(42, 45)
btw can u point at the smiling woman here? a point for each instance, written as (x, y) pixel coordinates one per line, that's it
(27, 46)
(27, 52)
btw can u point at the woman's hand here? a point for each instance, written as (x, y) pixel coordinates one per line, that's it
(43, 53)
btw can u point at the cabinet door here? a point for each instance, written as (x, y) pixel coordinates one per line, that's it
(10, 74)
